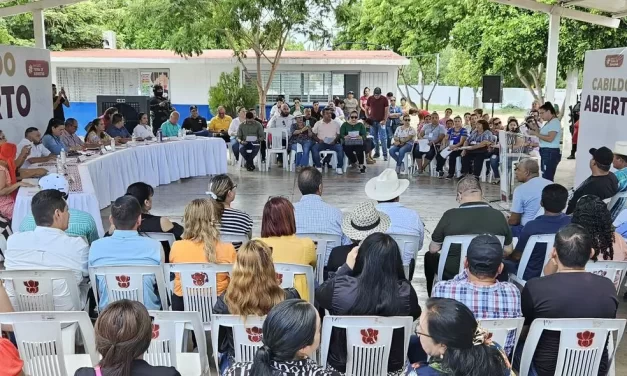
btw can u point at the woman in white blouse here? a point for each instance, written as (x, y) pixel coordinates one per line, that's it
(142, 130)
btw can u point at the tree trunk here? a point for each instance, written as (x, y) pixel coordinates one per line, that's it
(262, 105)
(427, 104)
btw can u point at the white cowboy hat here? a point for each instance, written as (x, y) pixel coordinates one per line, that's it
(297, 114)
(386, 186)
(365, 220)
(620, 148)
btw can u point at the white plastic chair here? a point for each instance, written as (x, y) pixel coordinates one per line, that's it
(615, 198)
(549, 240)
(614, 270)
(333, 154)
(322, 242)
(166, 349)
(233, 238)
(199, 284)
(256, 160)
(409, 243)
(275, 145)
(247, 335)
(287, 272)
(464, 242)
(368, 342)
(34, 288)
(483, 172)
(127, 282)
(40, 342)
(162, 237)
(501, 328)
(581, 344)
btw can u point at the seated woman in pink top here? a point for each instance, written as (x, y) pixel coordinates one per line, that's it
(8, 178)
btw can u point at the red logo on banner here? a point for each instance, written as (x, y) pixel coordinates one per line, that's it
(614, 61)
(37, 68)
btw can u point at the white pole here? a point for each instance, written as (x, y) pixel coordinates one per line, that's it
(39, 28)
(551, 58)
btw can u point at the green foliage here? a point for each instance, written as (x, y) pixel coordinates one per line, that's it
(231, 94)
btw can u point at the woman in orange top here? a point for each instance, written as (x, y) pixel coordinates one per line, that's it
(278, 231)
(200, 243)
(8, 179)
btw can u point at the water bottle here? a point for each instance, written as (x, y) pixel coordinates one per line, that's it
(63, 156)
(133, 139)
(160, 135)
(113, 144)
(60, 166)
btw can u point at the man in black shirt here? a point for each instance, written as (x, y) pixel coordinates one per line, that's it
(315, 111)
(196, 123)
(568, 294)
(160, 107)
(58, 101)
(602, 183)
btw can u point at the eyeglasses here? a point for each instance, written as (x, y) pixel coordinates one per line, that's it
(499, 123)
(354, 117)
(3, 137)
(406, 119)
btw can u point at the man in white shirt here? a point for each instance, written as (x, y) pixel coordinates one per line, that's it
(49, 247)
(282, 120)
(326, 135)
(38, 152)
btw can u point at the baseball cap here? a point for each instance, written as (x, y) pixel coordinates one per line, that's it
(192, 108)
(602, 155)
(377, 90)
(55, 181)
(351, 92)
(485, 254)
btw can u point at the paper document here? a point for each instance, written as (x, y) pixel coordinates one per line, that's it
(445, 153)
(251, 138)
(328, 140)
(353, 133)
(423, 146)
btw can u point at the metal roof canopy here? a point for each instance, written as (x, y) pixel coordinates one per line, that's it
(37, 8)
(617, 8)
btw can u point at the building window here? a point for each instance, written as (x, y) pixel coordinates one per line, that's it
(308, 86)
(85, 84)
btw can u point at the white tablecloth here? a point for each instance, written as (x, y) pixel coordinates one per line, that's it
(105, 177)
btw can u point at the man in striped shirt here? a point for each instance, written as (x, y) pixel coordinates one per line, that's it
(81, 224)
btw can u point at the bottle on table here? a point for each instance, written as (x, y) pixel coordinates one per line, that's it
(113, 144)
(159, 136)
(63, 156)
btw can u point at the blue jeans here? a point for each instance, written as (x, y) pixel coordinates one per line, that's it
(550, 158)
(337, 148)
(302, 159)
(398, 153)
(235, 147)
(378, 131)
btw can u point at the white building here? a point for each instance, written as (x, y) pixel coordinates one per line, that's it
(309, 75)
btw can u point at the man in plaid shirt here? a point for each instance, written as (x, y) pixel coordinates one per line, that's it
(478, 288)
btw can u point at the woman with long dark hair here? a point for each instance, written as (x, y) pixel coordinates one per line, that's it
(96, 133)
(477, 152)
(142, 130)
(106, 117)
(52, 138)
(291, 335)
(371, 283)
(449, 333)
(123, 334)
(594, 216)
(550, 136)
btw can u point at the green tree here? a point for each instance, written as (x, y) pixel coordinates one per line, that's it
(231, 94)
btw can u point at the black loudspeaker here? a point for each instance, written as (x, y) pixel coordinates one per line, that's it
(492, 89)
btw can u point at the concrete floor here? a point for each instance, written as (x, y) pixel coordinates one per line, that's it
(431, 197)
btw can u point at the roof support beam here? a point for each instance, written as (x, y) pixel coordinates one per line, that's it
(565, 12)
(31, 6)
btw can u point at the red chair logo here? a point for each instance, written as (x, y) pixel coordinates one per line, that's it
(369, 336)
(279, 278)
(200, 279)
(155, 331)
(32, 287)
(124, 281)
(585, 339)
(255, 334)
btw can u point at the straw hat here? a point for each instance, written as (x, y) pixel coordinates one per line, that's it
(386, 186)
(365, 220)
(620, 148)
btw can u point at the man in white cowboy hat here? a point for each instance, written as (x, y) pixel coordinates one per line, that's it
(387, 189)
(474, 216)
(620, 164)
(363, 221)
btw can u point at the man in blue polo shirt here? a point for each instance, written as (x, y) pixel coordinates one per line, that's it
(118, 130)
(127, 247)
(554, 197)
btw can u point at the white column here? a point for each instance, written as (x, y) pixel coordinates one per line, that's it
(551, 58)
(39, 28)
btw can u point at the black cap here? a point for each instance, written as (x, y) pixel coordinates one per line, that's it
(377, 90)
(602, 155)
(192, 108)
(485, 254)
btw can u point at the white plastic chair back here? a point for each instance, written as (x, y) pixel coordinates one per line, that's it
(199, 284)
(615, 198)
(233, 238)
(549, 240)
(286, 272)
(332, 153)
(247, 335)
(501, 328)
(406, 244)
(34, 288)
(162, 237)
(40, 343)
(368, 342)
(165, 343)
(464, 242)
(274, 145)
(322, 242)
(127, 282)
(614, 270)
(581, 344)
